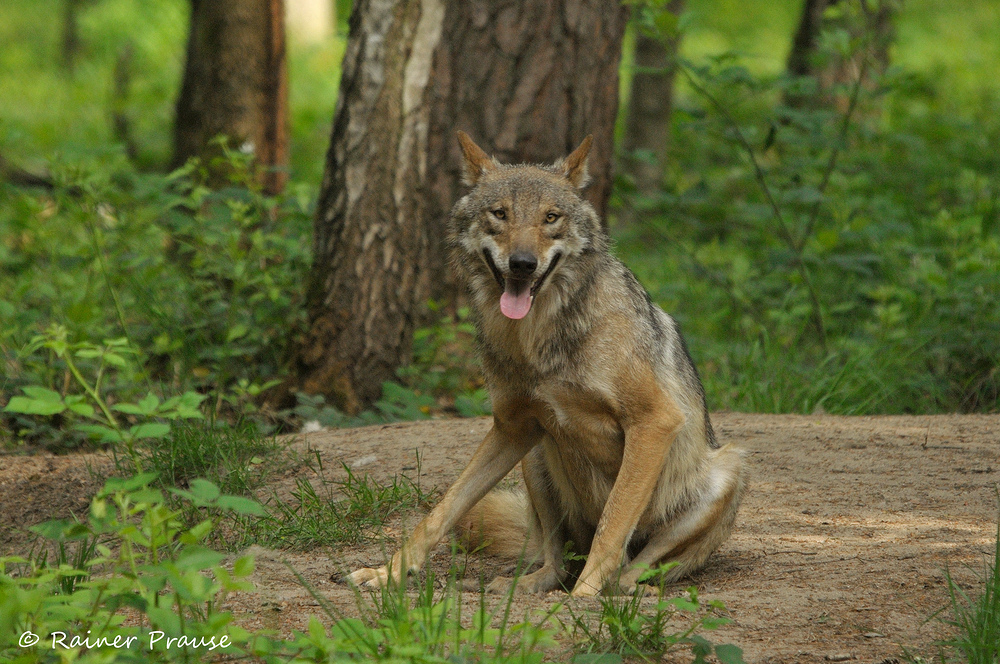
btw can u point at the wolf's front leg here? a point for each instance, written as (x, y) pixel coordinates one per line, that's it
(547, 530)
(649, 433)
(503, 447)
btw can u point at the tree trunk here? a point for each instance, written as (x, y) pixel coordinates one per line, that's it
(70, 34)
(647, 129)
(869, 21)
(528, 80)
(803, 52)
(236, 85)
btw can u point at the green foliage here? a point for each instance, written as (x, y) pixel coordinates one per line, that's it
(628, 627)
(435, 626)
(135, 558)
(234, 457)
(443, 378)
(349, 510)
(975, 619)
(89, 413)
(52, 113)
(444, 366)
(196, 292)
(827, 250)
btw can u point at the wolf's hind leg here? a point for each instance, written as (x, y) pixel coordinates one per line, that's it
(548, 531)
(691, 538)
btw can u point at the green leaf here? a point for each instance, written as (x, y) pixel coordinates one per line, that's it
(29, 406)
(198, 557)
(149, 403)
(184, 406)
(77, 404)
(52, 530)
(204, 490)
(42, 393)
(243, 566)
(236, 331)
(729, 654)
(700, 647)
(125, 485)
(128, 408)
(681, 603)
(103, 433)
(197, 532)
(597, 658)
(115, 359)
(241, 505)
(164, 619)
(714, 622)
(147, 495)
(150, 430)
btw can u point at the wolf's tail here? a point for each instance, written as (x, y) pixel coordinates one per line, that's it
(499, 525)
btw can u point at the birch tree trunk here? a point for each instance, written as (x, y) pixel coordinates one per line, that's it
(527, 79)
(236, 85)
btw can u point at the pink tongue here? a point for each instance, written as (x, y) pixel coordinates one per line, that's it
(515, 306)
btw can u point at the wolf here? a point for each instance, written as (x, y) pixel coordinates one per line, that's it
(593, 392)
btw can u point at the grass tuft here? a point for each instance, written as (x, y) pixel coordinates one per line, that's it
(976, 618)
(350, 510)
(234, 457)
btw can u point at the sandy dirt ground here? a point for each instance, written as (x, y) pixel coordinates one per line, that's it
(838, 553)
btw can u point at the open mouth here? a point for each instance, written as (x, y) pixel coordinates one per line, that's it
(518, 294)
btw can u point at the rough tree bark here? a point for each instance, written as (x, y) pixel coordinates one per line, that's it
(647, 127)
(869, 20)
(236, 84)
(527, 79)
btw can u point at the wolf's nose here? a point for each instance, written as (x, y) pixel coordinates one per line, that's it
(522, 264)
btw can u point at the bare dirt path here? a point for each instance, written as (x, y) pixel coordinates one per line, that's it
(838, 550)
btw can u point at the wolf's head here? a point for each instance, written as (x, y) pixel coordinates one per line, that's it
(516, 232)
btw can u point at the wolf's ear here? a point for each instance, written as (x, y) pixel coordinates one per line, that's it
(574, 166)
(475, 162)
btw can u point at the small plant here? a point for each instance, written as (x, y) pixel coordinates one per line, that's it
(138, 560)
(353, 509)
(231, 456)
(436, 626)
(90, 411)
(975, 617)
(628, 627)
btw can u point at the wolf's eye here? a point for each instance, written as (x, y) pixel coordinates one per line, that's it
(551, 218)
(500, 213)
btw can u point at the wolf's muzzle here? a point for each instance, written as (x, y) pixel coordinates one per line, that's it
(522, 264)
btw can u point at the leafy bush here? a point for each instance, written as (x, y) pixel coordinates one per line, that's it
(829, 258)
(197, 290)
(140, 560)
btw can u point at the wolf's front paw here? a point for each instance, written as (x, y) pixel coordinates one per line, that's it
(583, 589)
(369, 577)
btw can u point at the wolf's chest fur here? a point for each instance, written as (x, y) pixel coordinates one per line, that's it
(565, 383)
